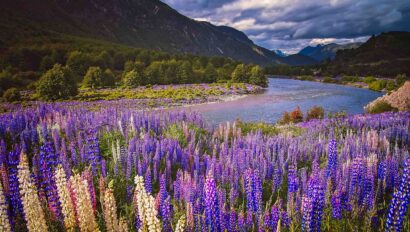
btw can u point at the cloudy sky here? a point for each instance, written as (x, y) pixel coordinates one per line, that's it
(290, 25)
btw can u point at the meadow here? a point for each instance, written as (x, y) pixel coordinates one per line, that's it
(66, 168)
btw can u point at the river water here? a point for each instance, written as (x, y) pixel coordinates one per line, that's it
(284, 95)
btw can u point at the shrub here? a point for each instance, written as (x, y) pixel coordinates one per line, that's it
(12, 95)
(93, 78)
(258, 77)
(57, 83)
(108, 78)
(239, 75)
(377, 85)
(133, 78)
(285, 118)
(369, 79)
(380, 107)
(296, 115)
(328, 80)
(316, 112)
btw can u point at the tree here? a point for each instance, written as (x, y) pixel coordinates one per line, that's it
(239, 74)
(57, 83)
(185, 72)
(93, 78)
(258, 77)
(79, 62)
(133, 78)
(108, 78)
(104, 60)
(210, 74)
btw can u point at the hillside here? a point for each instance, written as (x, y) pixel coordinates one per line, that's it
(328, 51)
(387, 54)
(138, 23)
(399, 99)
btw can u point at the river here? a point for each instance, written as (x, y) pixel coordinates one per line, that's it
(284, 95)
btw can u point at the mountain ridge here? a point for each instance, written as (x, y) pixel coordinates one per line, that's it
(147, 24)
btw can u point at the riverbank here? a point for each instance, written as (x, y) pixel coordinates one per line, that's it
(151, 97)
(376, 84)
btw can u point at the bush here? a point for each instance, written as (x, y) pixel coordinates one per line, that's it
(12, 95)
(57, 83)
(93, 78)
(369, 79)
(328, 80)
(285, 118)
(258, 77)
(380, 107)
(378, 85)
(316, 112)
(239, 75)
(296, 115)
(133, 78)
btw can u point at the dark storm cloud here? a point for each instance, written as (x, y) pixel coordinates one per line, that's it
(293, 24)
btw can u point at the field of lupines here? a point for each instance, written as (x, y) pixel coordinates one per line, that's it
(115, 169)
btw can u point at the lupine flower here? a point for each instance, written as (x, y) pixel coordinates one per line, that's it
(332, 159)
(65, 199)
(83, 206)
(180, 226)
(109, 208)
(33, 212)
(4, 219)
(212, 212)
(146, 207)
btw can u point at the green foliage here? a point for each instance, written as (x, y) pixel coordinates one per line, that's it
(369, 79)
(265, 128)
(12, 95)
(257, 77)
(210, 74)
(378, 85)
(133, 78)
(400, 79)
(108, 78)
(350, 79)
(93, 78)
(380, 107)
(239, 75)
(79, 62)
(57, 83)
(329, 80)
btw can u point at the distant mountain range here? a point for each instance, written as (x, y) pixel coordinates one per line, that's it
(328, 51)
(387, 54)
(139, 23)
(280, 53)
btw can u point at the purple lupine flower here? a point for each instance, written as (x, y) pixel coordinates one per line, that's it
(332, 159)
(292, 179)
(212, 212)
(400, 201)
(336, 205)
(232, 221)
(165, 209)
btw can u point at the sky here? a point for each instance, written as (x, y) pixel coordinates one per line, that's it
(290, 25)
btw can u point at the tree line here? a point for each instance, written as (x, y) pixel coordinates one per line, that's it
(48, 71)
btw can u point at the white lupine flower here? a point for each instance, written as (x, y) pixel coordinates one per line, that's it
(65, 199)
(31, 204)
(146, 208)
(180, 227)
(84, 208)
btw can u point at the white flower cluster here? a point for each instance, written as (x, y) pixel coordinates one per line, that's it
(110, 212)
(65, 199)
(31, 204)
(146, 208)
(180, 227)
(84, 207)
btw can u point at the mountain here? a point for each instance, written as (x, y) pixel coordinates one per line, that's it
(323, 52)
(386, 54)
(139, 23)
(298, 60)
(280, 53)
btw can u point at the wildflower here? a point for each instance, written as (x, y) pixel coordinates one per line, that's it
(110, 209)
(146, 207)
(84, 208)
(4, 219)
(212, 213)
(33, 212)
(180, 227)
(65, 199)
